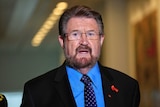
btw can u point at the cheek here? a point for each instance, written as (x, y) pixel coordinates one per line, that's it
(70, 49)
(96, 49)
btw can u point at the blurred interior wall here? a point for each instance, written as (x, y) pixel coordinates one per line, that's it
(144, 43)
(115, 48)
(119, 49)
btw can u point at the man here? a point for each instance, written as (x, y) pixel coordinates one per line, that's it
(81, 36)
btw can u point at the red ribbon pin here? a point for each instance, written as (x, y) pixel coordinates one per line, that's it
(113, 88)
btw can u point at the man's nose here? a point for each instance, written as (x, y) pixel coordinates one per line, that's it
(84, 39)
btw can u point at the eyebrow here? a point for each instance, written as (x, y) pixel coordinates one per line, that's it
(80, 31)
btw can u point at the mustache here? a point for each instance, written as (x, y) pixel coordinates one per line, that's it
(83, 48)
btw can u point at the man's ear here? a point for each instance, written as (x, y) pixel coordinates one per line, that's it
(102, 39)
(61, 41)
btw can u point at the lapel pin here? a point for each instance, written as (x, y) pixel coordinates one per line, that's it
(113, 88)
(109, 96)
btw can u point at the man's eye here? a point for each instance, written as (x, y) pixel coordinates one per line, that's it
(74, 34)
(90, 33)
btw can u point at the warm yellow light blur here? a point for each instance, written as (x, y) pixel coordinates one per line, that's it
(57, 11)
(49, 23)
(62, 5)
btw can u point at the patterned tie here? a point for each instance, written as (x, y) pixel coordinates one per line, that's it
(89, 96)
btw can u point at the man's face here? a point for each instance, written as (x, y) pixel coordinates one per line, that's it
(83, 52)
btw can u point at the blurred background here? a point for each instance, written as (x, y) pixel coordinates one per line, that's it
(29, 46)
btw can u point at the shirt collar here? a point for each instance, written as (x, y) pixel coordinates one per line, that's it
(93, 73)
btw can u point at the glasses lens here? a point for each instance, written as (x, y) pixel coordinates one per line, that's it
(76, 35)
(91, 35)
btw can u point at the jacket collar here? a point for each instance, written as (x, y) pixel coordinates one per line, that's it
(61, 83)
(110, 95)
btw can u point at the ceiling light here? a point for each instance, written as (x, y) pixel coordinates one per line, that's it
(49, 23)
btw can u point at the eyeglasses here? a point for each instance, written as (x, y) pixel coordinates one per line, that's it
(76, 35)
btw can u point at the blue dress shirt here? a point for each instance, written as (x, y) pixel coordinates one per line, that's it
(78, 87)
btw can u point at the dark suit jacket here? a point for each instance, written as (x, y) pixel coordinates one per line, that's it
(52, 89)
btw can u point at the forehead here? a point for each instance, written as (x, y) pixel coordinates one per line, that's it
(82, 23)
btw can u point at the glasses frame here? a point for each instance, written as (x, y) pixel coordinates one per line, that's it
(87, 34)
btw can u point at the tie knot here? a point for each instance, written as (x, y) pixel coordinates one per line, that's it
(85, 79)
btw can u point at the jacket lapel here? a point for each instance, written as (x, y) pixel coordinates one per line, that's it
(62, 85)
(107, 82)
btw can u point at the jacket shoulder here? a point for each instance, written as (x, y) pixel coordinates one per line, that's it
(46, 78)
(116, 75)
